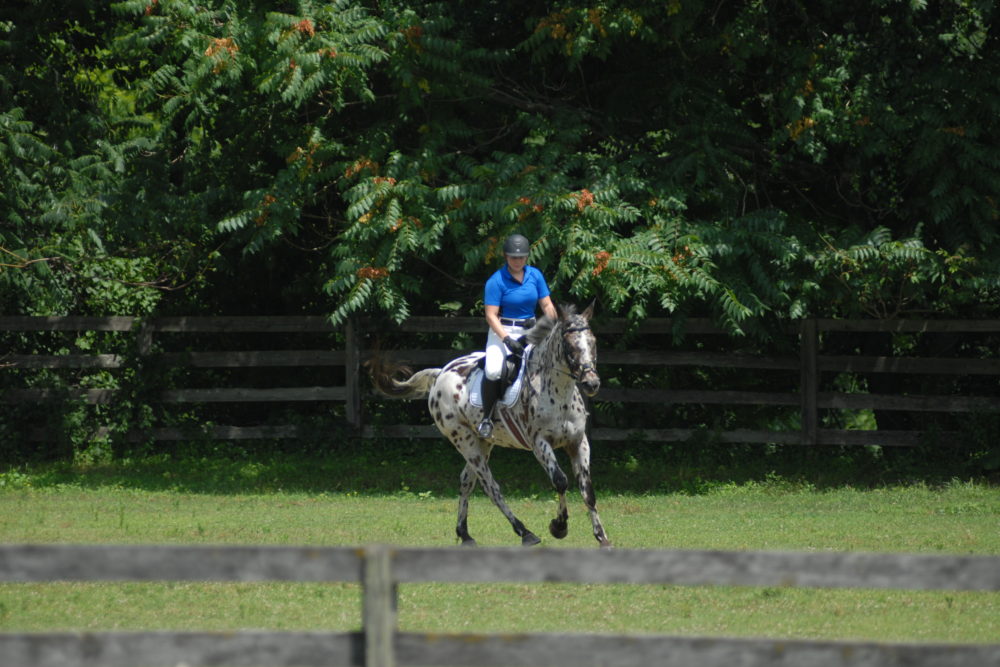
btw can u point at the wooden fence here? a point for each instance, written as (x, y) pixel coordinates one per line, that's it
(146, 330)
(810, 398)
(380, 569)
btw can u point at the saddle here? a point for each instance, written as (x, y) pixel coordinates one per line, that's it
(511, 378)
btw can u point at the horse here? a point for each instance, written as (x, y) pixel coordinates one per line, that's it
(550, 414)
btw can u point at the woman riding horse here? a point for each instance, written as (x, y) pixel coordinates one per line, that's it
(511, 296)
(549, 414)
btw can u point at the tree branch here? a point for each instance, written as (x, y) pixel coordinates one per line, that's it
(23, 262)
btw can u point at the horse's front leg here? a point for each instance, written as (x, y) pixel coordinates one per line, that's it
(579, 455)
(547, 457)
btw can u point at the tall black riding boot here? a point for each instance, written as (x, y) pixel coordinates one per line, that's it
(490, 392)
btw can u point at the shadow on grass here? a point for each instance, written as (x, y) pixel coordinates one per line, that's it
(380, 467)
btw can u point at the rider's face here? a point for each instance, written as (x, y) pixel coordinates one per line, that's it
(516, 263)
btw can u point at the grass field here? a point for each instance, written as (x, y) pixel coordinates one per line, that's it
(236, 502)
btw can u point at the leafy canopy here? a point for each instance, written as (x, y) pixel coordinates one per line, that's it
(751, 161)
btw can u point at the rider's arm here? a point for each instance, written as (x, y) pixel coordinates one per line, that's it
(548, 308)
(493, 319)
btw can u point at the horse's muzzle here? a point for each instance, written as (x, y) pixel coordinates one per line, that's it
(590, 383)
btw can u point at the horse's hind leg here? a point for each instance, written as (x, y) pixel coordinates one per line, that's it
(477, 458)
(547, 457)
(492, 489)
(580, 456)
(467, 485)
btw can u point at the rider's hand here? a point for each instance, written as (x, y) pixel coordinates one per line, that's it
(514, 345)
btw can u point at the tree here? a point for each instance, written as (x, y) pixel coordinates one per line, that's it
(753, 161)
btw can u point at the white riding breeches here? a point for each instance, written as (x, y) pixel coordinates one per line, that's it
(496, 351)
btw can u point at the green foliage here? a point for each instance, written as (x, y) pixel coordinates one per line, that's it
(742, 161)
(750, 162)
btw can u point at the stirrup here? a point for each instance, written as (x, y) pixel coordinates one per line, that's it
(485, 429)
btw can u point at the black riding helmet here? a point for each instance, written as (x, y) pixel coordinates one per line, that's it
(516, 246)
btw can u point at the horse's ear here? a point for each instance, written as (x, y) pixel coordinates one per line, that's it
(560, 313)
(589, 311)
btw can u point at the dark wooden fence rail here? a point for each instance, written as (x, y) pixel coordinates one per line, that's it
(808, 360)
(147, 329)
(380, 569)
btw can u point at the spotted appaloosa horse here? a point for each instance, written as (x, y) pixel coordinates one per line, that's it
(549, 414)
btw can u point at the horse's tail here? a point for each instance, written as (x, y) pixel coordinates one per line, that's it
(400, 381)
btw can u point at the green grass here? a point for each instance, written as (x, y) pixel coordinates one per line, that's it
(233, 501)
(957, 518)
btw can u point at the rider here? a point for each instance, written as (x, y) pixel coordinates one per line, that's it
(511, 295)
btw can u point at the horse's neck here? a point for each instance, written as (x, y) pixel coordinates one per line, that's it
(548, 357)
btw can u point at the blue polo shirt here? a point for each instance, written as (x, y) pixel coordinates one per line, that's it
(517, 300)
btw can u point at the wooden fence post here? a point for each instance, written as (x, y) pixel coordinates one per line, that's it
(379, 607)
(144, 338)
(352, 374)
(809, 383)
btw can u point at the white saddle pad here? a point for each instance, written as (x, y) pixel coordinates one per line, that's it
(512, 393)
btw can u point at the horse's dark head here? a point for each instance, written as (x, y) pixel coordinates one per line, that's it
(580, 348)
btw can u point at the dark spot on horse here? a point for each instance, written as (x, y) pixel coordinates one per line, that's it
(456, 397)
(450, 416)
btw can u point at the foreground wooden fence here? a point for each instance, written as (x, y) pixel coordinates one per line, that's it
(807, 359)
(380, 569)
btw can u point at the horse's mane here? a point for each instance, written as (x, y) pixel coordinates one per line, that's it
(543, 328)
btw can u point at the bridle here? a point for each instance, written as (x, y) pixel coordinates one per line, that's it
(577, 371)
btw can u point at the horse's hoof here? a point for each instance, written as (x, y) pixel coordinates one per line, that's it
(469, 543)
(559, 529)
(529, 539)
(606, 544)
